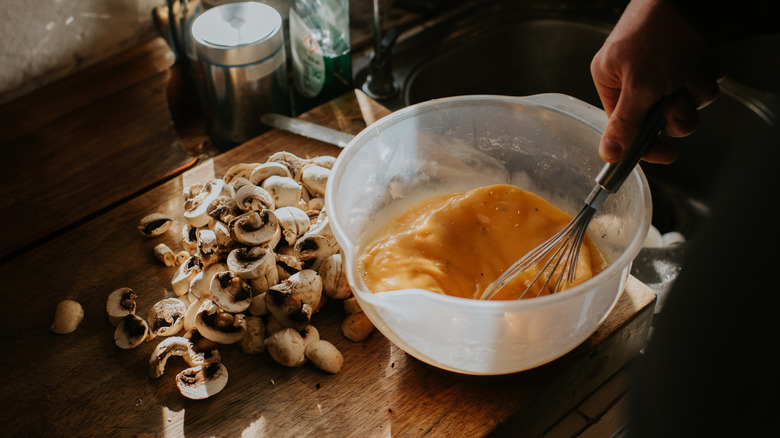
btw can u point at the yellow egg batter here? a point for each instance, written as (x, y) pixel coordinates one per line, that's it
(458, 244)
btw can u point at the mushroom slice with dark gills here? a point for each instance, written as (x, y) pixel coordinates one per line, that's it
(255, 227)
(202, 381)
(120, 303)
(131, 332)
(224, 209)
(254, 198)
(251, 262)
(230, 292)
(197, 211)
(166, 317)
(154, 224)
(217, 325)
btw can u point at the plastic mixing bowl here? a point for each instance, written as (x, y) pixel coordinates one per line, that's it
(546, 144)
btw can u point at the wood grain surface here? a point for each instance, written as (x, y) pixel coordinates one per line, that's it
(80, 384)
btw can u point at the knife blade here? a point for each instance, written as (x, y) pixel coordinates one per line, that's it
(307, 129)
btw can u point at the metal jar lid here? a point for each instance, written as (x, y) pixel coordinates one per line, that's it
(237, 34)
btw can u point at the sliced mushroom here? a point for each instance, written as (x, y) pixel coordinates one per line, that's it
(255, 227)
(230, 292)
(293, 221)
(184, 274)
(257, 306)
(224, 209)
(326, 161)
(286, 258)
(166, 317)
(253, 341)
(264, 282)
(165, 254)
(189, 239)
(182, 257)
(240, 170)
(200, 286)
(197, 213)
(202, 381)
(120, 303)
(312, 249)
(315, 178)
(254, 198)
(167, 348)
(334, 278)
(67, 317)
(251, 262)
(285, 190)
(208, 247)
(154, 224)
(131, 332)
(287, 307)
(191, 314)
(325, 356)
(202, 349)
(307, 285)
(219, 326)
(263, 171)
(293, 163)
(287, 347)
(224, 238)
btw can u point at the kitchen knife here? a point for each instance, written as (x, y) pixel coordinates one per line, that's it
(307, 129)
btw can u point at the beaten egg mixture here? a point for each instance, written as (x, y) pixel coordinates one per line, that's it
(459, 244)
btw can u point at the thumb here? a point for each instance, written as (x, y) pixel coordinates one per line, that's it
(623, 127)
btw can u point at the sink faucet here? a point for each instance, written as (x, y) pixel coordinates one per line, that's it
(380, 84)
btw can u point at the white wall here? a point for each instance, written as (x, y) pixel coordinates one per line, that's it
(43, 40)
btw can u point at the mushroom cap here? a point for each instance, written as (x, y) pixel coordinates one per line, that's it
(154, 224)
(240, 170)
(334, 279)
(219, 326)
(287, 307)
(315, 178)
(186, 271)
(200, 286)
(223, 208)
(168, 347)
(230, 292)
(166, 317)
(197, 213)
(286, 191)
(202, 381)
(293, 221)
(325, 356)
(287, 347)
(254, 198)
(67, 317)
(251, 262)
(120, 303)
(254, 227)
(131, 332)
(293, 162)
(262, 171)
(253, 341)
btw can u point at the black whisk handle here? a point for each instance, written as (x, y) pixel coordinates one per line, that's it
(613, 175)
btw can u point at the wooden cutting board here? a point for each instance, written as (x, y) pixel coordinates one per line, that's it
(80, 384)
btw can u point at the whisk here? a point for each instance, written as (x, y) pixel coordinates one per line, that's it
(560, 253)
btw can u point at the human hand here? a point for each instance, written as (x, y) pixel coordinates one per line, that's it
(652, 52)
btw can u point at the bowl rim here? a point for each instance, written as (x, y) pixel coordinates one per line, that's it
(588, 115)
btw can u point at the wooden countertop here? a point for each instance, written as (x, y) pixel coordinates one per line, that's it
(89, 156)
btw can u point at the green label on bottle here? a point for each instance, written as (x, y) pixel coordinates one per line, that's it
(308, 61)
